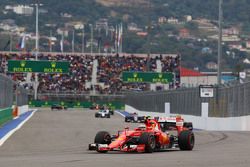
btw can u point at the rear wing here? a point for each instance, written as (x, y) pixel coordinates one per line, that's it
(171, 123)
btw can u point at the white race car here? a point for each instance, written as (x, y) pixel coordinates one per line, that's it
(102, 114)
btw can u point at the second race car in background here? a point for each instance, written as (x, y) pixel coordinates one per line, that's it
(96, 107)
(58, 107)
(134, 117)
(102, 114)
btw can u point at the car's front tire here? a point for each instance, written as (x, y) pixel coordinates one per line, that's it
(102, 137)
(149, 141)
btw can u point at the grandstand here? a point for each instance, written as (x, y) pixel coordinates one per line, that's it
(92, 73)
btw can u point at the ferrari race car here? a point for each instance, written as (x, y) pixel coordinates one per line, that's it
(102, 114)
(96, 107)
(133, 117)
(147, 138)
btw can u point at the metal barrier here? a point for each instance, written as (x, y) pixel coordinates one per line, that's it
(64, 96)
(10, 93)
(21, 96)
(6, 91)
(228, 101)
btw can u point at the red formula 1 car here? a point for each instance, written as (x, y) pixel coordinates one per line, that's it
(146, 138)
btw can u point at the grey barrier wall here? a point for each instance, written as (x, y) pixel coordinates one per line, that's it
(64, 96)
(228, 101)
(6, 92)
(21, 96)
(180, 101)
(231, 101)
(10, 93)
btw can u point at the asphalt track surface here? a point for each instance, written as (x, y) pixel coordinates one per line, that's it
(60, 139)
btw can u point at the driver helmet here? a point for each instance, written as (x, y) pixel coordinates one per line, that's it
(142, 126)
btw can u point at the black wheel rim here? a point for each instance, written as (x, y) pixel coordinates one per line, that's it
(107, 138)
(152, 142)
(191, 141)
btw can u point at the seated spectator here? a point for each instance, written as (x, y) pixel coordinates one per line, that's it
(109, 71)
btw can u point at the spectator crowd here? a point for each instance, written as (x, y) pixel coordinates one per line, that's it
(78, 80)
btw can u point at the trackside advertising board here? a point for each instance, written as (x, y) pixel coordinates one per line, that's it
(24, 66)
(151, 77)
(77, 104)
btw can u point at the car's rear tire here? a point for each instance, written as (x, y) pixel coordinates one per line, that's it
(186, 140)
(149, 141)
(102, 137)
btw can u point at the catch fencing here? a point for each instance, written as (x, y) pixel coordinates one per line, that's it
(6, 91)
(11, 93)
(228, 101)
(21, 96)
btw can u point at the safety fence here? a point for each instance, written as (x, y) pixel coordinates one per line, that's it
(11, 93)
(21, 96)
(228, 101)
(5, 115)
(69, 96)
(6, 91)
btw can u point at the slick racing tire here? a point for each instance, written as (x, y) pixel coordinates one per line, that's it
(149, 141)
(186, 140)
(102, 137)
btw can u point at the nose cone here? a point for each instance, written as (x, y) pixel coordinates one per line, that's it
(117, 142)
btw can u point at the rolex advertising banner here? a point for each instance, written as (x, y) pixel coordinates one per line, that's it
(23, 66)
(151, 77)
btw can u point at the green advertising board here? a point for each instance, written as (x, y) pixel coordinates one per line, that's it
(5, 115)
(76, 104)
(151, 77)
(23, 66)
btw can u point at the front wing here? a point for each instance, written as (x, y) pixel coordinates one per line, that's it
(105, 147)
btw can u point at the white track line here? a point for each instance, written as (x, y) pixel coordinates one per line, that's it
(15, 129)
(120, 113)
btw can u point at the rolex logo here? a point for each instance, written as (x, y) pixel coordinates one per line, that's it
(53, 64)
(160, 75)
(23, 63)
(135, 75)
